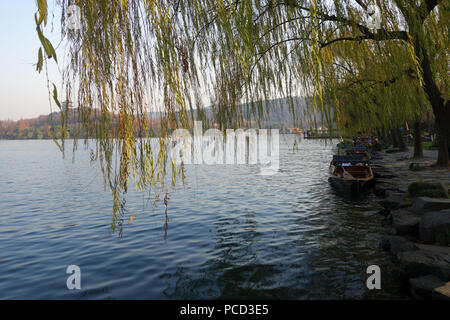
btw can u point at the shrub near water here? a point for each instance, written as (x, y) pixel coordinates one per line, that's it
(444, 238)
(424, 189)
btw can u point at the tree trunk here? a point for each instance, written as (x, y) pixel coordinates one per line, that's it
(441, 110)
(418, 150)
(442, 137)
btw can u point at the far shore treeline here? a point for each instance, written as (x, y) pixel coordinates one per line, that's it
(45, 127)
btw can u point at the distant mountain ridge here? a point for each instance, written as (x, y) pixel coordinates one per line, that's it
(277, 113)
(277, 110)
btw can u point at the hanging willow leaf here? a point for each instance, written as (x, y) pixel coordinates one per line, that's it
(40, 61)
(55, 96)
(61, 129)
(42, 6)
(46, 44)
(52, 135)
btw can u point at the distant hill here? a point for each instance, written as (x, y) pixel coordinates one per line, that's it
(279, 110)
(274, 111)
(277, 113)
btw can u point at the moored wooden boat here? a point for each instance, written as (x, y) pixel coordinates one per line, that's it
(365, 141)
(350, 171)
(359, 150)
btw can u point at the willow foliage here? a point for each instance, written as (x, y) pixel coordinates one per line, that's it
(131, 57)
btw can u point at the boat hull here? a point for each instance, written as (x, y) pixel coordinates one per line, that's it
(349, 185)
(348, 182)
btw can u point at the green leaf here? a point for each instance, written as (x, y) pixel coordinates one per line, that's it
(48, 47)
(52, 135)
(42, 5)
(61, 129)
(40, 61)
(55, 96)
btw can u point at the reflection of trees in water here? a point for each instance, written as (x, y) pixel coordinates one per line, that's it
(239, 269)
(234, 272)
(242, 270)
(123, 212)
(345, 231)
(235, 267)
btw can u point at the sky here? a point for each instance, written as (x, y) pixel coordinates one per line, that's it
(23, 91)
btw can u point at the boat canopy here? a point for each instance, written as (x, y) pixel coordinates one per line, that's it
(352, 159)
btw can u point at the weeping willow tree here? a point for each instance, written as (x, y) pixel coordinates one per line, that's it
(130, 57)
(368, 98)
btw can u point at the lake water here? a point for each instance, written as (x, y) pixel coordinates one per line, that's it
(231, 233)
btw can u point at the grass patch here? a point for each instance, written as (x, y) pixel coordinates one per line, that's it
(425, 189)
(425, 145)
(432, 193)
(428, 144)
(443, 238)
(415, 167)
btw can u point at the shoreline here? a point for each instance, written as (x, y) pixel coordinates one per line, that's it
(413, 224)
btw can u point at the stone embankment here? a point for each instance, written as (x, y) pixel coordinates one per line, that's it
(419, 228)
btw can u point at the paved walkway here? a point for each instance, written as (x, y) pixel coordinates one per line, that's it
(398, 163)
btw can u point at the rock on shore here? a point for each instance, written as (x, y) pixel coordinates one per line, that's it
(433, 225)
(430, 287)
(396, 244)
(426, 260)
(405, 222)
(425, 204)
(420, 244)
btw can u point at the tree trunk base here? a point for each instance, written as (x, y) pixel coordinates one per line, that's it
(418, 150)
